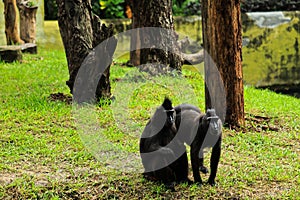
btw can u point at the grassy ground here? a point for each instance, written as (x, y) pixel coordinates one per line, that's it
(46, 155)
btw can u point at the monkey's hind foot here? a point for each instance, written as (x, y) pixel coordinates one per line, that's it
(203, 169)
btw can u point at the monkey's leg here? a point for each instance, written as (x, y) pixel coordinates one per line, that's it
(180, 168)
(195, 148)
(202, 168)
(167, 176)
(214, 161)
(162, 170)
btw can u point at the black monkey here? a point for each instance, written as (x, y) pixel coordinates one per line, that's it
(190, 107)
(200, 131)
(163, 156)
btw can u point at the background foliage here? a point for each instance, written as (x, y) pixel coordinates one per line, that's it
(50, 7)
(111, 9)
(186, 8)
(107, 9)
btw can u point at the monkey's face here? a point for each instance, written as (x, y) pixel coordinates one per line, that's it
(163, 118)
(214, 125)
(170, 114)
(170, 121)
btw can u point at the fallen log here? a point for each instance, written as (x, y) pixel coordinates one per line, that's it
(193, 59)
(190, 59)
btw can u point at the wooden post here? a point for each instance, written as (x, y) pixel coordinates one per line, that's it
(27, 21)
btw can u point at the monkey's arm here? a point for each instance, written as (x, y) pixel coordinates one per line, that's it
(195, 148)
(150, 145)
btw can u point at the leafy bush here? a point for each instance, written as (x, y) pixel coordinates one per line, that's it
(186, 8)
(50, 10)
(105, 9)
(112, 9)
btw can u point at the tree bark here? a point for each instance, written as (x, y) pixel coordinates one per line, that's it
(27, 21)
(11, 22)
(222, 35)
(163, 40)
(81, 31)
(135, 43)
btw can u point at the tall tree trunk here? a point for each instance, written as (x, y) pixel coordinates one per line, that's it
(81, 31)
(222, 35)
(11, 22)
(164, 48)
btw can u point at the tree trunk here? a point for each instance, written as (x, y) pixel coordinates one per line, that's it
(27, 21)
(222, 35)
(81, 31)
(11, 22)
(135, 43)
(163, 40)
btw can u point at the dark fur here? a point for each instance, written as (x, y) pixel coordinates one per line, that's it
(193, 126)
(156, 138)
(185, 107)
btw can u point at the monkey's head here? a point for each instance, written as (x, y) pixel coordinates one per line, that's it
(164, 115)
(212, 123)
(169, 112)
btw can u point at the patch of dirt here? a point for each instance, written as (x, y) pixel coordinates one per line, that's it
(7, 178)
(260, 123)
(60, 97)
(257, 123)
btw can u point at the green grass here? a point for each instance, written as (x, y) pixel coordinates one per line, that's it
(46, 153)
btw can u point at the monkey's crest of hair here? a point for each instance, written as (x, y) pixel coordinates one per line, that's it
(167, 104)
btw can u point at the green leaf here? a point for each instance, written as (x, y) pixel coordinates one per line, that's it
(103, 4)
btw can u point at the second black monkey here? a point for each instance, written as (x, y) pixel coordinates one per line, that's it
(163, 156)
(200, 131)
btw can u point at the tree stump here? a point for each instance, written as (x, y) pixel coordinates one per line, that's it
(11, 22)
(27, 21)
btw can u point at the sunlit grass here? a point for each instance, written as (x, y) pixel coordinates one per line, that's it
(45, 155)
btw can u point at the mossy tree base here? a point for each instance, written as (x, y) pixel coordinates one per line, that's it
(81, 31)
